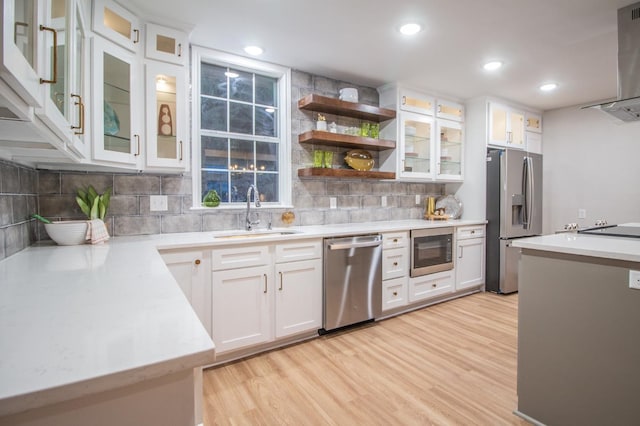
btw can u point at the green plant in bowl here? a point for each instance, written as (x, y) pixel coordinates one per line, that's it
(92, 204)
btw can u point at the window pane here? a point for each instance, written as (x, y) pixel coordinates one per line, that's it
(240, 184)
(213, 82)
(266, 90)
(241, 86)
(213, 114)
(240, 118)
(268, 186)
(266, 156)
(217, 181)
(265, 122)
(215, 153)
(242, 155)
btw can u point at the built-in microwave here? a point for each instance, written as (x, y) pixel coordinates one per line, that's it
(431, 250)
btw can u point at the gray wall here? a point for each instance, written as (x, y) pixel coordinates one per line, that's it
(52, 193)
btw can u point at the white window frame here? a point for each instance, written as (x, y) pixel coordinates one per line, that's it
(283, 74)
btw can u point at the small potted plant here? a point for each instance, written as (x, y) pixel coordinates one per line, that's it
(92, 204)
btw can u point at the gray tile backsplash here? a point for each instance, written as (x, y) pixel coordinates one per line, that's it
(24, 191)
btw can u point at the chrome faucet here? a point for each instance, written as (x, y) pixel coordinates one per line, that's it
(256, 197)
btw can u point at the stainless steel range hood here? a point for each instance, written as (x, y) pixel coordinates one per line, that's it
(627, 107)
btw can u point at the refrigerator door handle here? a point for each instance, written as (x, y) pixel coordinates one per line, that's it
(525, 192)
(531, 191)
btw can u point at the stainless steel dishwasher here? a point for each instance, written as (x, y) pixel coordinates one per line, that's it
(352, 280)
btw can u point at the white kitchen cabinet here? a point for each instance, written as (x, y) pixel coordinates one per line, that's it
(117, 105)
(470, 259)
(534, 142)
(533, 122)
(449, 148)
(394, 293)
(116, 24)
(393, 240)
(191, 269)
(416, 147)
(166, 44)
(506, 126)
(414, 101)
(430, 286)
(242, 307)
(262, 293)
(65, 105)
(395, 263)
(395, 269)
(298, 293)
(166, 109)
(450, 110)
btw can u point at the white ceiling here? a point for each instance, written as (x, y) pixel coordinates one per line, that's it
(571, 42)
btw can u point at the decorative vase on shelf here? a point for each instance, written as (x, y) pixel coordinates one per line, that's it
(212, 199)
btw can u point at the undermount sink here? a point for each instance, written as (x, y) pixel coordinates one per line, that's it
(254, 234)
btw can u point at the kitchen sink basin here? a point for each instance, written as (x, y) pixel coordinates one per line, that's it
(254, 234)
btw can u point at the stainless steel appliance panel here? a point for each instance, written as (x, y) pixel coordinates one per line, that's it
(512, 186)
(352, 280)
(534, 201)
(509, 266)
(431, 251)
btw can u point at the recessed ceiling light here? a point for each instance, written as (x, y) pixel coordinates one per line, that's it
(410, 29)
(493, 65)
(547, 87)
(232, 74)
(253, 50)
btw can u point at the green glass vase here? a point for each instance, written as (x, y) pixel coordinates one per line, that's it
(212, 199)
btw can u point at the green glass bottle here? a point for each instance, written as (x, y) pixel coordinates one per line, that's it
(212, 199)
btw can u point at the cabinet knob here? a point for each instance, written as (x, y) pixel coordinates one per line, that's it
(197, 261)
(395, 293)
(395, 240)
(395, 263)
(434, 285)
(473, 231)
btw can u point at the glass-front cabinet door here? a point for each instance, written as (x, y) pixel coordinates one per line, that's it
(116, 24)
(22, 40)
(506, 126)
(416, 146)
(117, 109)
(166, 44)
(450, 149)
(450, 110)
(416, 102)
(166, 115)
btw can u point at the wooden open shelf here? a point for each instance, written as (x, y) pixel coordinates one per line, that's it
(346, 141)
(314, 102)
(344, 173)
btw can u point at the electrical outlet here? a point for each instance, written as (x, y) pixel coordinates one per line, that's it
(158, 203)
(417, 199)
(634, 279)
(582, 213)
(383, 201)
(333, 203)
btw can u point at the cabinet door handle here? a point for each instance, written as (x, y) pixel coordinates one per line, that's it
(265, 283)
(137, 34)
(460, 252)
(80, 126)
(137, 145)
(439, 108)
(404, 100)
(280, 281)
(180, 157)
(197, 261)
(179, 50)
(54, 80)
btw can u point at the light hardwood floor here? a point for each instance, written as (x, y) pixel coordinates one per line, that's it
(448, 364)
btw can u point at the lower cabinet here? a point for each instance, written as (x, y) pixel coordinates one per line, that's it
(191, 269)
(394, 293)
(263, 297)
(470, 257)
(395, 269)
(431, 285)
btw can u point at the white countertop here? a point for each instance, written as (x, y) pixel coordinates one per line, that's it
(77, 320)
(619, 248)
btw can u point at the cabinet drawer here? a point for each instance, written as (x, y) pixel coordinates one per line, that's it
(431, 285)
(300, 250)
(239, 257)
(394, 293)
(464, 232)
(395, 263)
(391, 240)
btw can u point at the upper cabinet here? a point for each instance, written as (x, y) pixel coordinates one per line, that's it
(430, 136)
(117, 105)
(533, 122)
(117, 24)
(166, 44)
(506, 126)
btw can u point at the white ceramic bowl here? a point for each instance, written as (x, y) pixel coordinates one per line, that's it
(349, 94)
(67, 233)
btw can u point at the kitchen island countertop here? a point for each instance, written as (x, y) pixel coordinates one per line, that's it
(77, 320)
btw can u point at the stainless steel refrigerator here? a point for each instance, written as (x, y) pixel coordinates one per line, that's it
(514, 210)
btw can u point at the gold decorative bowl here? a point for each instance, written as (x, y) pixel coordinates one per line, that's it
(360, 160)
